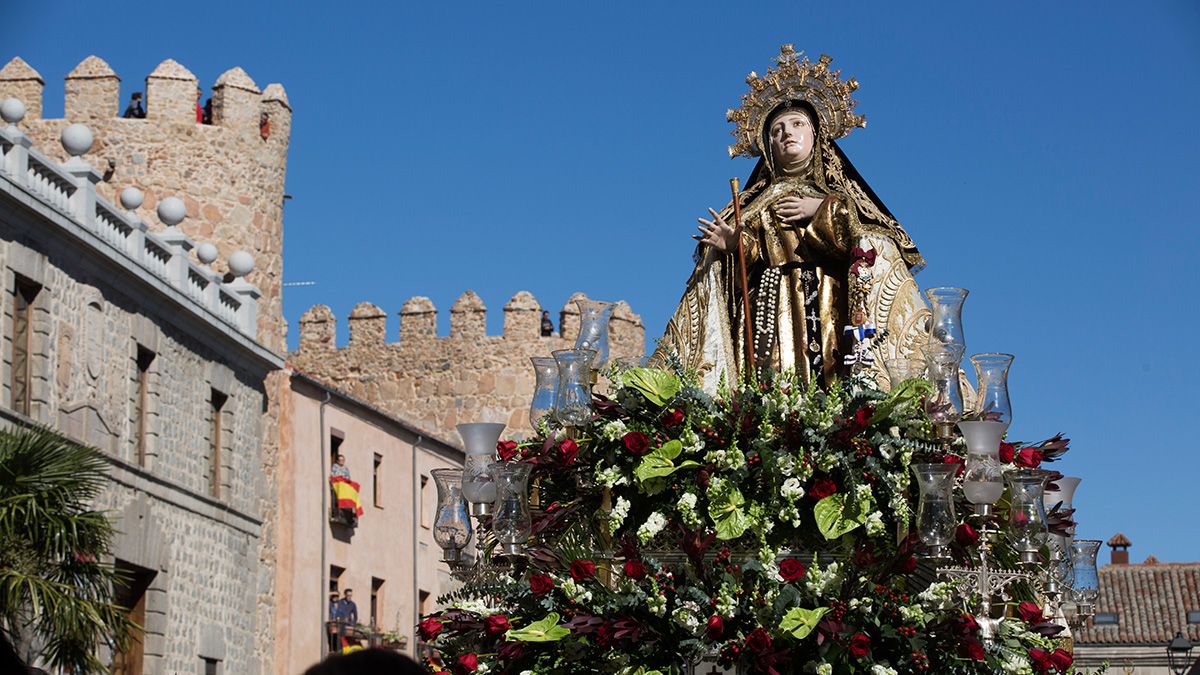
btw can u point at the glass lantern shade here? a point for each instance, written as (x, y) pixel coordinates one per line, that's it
(945, 404)
(451, 525)
(904, 368)
(1026, 514)
(479, 441)
(991, 391)
(936, 521)
(1064, 494)
(545, 389)
(983, 481)
(573, 406)
(1086, 587)
(594, 316)
(945, 326)
(511, 520)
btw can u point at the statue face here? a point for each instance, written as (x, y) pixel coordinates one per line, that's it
(791, 139)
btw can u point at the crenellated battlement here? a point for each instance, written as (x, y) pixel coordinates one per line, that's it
(230, 173)
(441, 381)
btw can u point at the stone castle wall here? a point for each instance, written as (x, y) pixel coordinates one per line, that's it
(438, 382)
(230, 178)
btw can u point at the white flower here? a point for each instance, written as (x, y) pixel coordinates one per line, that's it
(825, 669)
(576, 592)
(611, 476)
(874, 524)
(792, 489)
(786, 464)
(894, 432)
(653, 525)
(617, 515)
(614, 430)
(882, 670)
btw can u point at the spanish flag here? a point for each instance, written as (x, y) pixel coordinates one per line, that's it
(346, 492)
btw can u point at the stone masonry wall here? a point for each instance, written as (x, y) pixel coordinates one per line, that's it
(84, 344)
(230, 178)
(438, 382)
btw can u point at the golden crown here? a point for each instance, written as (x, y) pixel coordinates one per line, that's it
(794, 78)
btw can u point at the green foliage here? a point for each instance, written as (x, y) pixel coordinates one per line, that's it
(54, 591)
(660, 463)
(836, 515)
(800, 622)
(657, 386)
(545, 630)
(728, 515)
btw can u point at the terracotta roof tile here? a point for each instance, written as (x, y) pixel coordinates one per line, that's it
(1119, 540)
(1151, 603)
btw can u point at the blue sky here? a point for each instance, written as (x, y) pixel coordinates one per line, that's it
(1042, 155)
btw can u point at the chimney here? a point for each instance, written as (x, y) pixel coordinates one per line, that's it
(1120, 549)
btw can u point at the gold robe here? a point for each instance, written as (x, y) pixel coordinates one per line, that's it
(797, 322)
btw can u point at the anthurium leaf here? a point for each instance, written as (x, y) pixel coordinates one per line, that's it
(909, 390)
(800, 622)
(728, 515)
(546, 630)
(836, 517)
(656, 385)
(660, 462)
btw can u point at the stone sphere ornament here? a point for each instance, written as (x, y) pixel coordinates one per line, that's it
(132, 198)
(77, 139)
(172, 211)
(241, 263)
(206, 253)
(12, 110)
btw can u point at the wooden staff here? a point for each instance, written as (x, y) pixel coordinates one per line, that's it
(741, 251)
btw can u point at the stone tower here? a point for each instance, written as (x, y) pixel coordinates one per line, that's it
(438, 382)
(230, 174)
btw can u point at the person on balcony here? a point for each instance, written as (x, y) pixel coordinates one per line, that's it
(348, 611)
(334, 629)
(339, 468)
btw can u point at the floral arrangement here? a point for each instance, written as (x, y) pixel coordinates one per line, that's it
(766, 528)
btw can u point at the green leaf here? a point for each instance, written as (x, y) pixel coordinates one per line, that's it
(909, 390)
(546, 630)
(835, 516)
(657, 386)
(728, 516)
(661, 462)
(800, 622)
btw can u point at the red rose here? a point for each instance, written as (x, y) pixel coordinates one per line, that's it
(540, 584)
(966, 625)
(1062, 660)
(759, 640)
(672, 418)
(1029, 458)
(971, 648)
(635, 569)
(429, 629)
(1029, 612)
(583, 569)
(497, 623)
(966, 535)
(791, 569)
(1007, 450)
(636, 443)
(715, 628)
(862, 416)
(511, 651)
(955, 459)
(467, 663)
(567, 451)
(506, 449)
(907, 565)
(1040, 661)
(859, 646)
(822, 488)
(605, 635)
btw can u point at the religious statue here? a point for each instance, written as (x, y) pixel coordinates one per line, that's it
(827, 280)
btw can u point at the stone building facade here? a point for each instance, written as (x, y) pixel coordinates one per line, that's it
(115, 334)
(388, 556)
(468, 376)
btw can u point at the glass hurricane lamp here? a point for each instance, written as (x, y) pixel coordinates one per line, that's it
(573, 406)
(479, 441)
(936, 521)
(945, 404)
(945, 326)
(511, 520)
(1026, 513)
(1085, 589)
(991, 390)
(594, 317)
(451, 525)
(545, 389)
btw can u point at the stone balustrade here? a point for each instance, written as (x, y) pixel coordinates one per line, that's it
(69, 189)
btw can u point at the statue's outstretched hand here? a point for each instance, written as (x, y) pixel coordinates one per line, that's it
(716, 232)
(795, 210)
